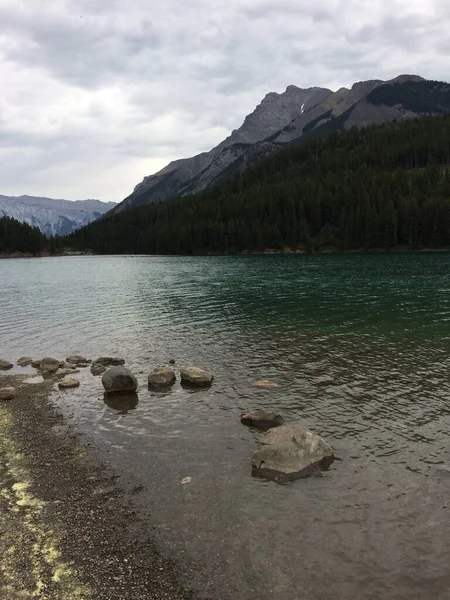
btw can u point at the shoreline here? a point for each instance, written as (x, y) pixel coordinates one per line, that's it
(69, 532)
(267, 252)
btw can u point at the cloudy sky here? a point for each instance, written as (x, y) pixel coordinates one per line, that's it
(96, 94)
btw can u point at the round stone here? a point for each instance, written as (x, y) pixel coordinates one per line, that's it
(196, 376)
(118, 380)
(5, 365)
(161, 377)
(7, 393)
(68, 383)
(24, 361)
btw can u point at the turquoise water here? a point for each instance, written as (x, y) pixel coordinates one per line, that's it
(359, 345)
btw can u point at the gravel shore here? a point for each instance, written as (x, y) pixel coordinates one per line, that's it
(67, 531)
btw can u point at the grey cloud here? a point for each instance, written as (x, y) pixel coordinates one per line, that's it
(99, 94)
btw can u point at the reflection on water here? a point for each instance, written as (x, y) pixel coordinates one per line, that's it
(122, 403)
(359, 348)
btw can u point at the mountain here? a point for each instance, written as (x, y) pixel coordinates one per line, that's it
(53, 217)
(379, 187)
(291, 118)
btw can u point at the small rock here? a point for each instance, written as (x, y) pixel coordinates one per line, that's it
(24, 361)
(116, 361)
(266, 383)
(161, 377)
(186, 480)
(97, 368)
(49, 365)
(64, 372)
(105, 361)
(172, 361)
(68, 383)
(263, 419)
(290, 452)
(82, 365)
(196, 376)
(5, 365)
(7, 393)
(75, 359)
(118, 380)
(36, 364)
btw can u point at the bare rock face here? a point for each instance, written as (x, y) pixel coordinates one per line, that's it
(291, 452)
(5, 365)
(49, 365)
(196, 377)
(262, 419)
(118, 380)
(68, 383)
(7, 393)
(161, 377)
(24, 361)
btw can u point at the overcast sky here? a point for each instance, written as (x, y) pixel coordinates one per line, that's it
(96, 94)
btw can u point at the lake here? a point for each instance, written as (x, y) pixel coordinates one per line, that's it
(360, 348)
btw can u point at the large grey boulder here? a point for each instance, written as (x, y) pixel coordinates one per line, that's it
(263, 419)
(119, 380)
(49, 365)
(7, 393)
(161, 377)
(24, 361)
(196, 377)
(5, 365)
(290, 452)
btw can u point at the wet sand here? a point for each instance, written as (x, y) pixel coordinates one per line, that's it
(67, 531)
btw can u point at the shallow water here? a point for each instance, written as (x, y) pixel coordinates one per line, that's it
(359, 346)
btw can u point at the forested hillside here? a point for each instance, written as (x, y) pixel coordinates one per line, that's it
(381, 187)
(20, 237)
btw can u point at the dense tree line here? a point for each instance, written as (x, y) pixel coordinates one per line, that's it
(21, 237)
(379, 187)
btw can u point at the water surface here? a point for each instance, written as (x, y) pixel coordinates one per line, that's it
(359, 345)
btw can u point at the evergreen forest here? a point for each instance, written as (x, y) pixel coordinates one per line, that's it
(381, 187)
(21, 237)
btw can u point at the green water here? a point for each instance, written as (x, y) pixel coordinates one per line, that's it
(359, 345)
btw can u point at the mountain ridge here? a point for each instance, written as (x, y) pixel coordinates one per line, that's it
(287, 118)
(51, 215)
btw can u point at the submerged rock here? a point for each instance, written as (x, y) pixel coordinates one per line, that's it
(49, 365)
(118, 380)
(65, 372)
(7, 393)
(290, 452)
(97, 368)
(266, 383)
(68, 383)
(5, 365)
(161, 377)
(263, 419)
(24, 361)
(75, 359)
(196, 376)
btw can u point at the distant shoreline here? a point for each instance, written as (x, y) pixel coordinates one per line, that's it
(285, 251)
